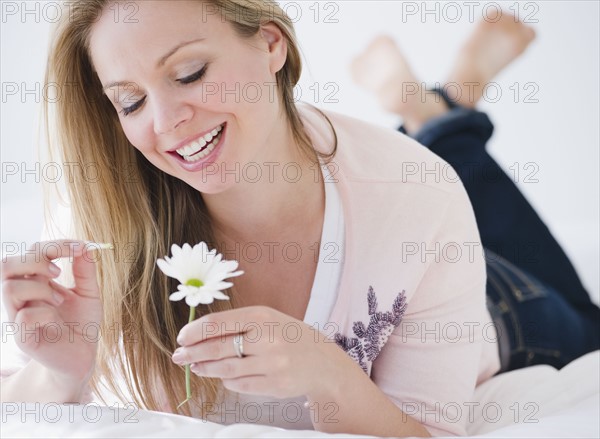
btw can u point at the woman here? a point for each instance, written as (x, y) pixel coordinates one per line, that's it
(395, 317)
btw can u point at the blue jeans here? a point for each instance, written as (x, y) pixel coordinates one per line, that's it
(541, 309)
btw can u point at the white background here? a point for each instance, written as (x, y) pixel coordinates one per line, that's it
(559, 133)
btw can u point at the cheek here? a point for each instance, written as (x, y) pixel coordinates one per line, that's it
(232, 89)
(139, 134)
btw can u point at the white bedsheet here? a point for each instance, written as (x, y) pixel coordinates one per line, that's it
(538, 401)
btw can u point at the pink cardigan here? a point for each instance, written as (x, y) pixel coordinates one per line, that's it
(411, 308)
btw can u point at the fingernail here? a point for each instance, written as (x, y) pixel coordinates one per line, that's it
(58, 299)
(178, 356)
(54, 270)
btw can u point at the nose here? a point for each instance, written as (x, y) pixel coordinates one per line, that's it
(169, 114)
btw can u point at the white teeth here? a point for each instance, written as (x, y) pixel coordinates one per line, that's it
(197, 145)
(204, 152)
(189, 150)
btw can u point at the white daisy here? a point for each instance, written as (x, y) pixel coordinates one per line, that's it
(200, 271)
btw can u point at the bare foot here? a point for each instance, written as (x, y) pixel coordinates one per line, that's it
(382, 69)
(489, 49)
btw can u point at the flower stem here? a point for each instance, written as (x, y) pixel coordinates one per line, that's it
(188, 372)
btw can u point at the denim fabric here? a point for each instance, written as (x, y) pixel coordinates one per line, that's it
(534, 294)
(535, 323)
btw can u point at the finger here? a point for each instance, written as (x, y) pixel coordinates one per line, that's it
(229, 367)
(18, 292)
(32, 319)
(61, 289)
(61, 248)
(209, 350)
(37, 258)
(82, 255)
(220, 324)
(38, 325)
(84, 275)
(255, 385)
(14, 267)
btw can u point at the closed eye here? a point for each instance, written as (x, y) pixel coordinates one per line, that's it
(128, 110)
(187, 80)
(193, 77)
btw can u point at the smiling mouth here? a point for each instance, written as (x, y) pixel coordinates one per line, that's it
(203, 146)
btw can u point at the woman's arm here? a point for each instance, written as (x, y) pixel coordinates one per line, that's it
(35, 383)
(422, 381)
(432, 361)
(353, 404)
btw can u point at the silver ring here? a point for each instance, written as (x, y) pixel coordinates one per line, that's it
(238, 345)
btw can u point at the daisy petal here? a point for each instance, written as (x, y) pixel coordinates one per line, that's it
(167, 268)
(197, 299)
(220, 295)
(178, 295)
(228, 265)
(205, 298)
(195, 264)
(220, 286)
(175, 250)
(202, 247)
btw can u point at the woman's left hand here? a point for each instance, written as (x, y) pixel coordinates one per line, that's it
(284, 357)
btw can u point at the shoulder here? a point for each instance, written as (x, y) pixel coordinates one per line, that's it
(371, 153)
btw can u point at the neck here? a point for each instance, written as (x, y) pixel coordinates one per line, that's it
(287, 200)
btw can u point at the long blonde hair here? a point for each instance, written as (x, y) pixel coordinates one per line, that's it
(140, 208)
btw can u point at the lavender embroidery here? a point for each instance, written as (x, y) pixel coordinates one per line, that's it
(370, 340)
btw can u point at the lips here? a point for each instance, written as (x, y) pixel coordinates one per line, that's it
(209, 152)
(201, 147)
(201, 143)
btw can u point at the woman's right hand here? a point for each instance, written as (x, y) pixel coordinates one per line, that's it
(58, 327)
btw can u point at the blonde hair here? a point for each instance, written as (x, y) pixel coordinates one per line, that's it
(144, 213)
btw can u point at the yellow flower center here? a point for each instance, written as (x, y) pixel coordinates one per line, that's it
(194, 283)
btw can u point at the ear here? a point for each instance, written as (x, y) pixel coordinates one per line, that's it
(277, 45)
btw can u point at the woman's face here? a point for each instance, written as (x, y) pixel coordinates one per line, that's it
(195, 99)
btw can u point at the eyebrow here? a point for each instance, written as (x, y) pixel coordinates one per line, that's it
(161, 62)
